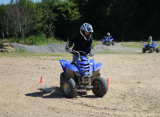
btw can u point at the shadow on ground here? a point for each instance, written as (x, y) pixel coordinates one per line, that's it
(56, 92)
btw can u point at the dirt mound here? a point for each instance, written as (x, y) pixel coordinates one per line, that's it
(6, 47)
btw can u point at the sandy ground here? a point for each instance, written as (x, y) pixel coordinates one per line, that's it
(134, 91)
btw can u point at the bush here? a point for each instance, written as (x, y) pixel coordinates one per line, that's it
(93, 44)
(12, 40)
(22, 50)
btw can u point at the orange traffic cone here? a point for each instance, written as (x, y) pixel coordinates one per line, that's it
(41, 80)
(108, 82)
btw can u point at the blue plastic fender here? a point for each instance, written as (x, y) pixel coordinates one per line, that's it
(103, 40)
(156, 45)
(98, 66)
(93, 64)
(144, 45)
(63, 63)
(72, 67)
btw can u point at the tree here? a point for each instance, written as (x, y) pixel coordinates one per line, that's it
(68, 16)
(48, 7)
(4, 22)
(26, 17)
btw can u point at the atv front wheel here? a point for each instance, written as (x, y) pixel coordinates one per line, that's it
(107, 43)
(69, 88)
(62, 77)
(100, 86)
(151, 50)
(157, 50)
(143, 50)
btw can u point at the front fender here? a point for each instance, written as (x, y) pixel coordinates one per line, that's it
(156, 45)
(98, 66)
(72, 67)
(103, 40)
(63, 63)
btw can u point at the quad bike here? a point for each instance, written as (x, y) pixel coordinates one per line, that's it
(108, 41)
(153, 47)
(82, 75)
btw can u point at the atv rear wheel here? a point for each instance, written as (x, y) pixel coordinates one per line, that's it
(100, 86)
(157, 50)
(143, 50)
(69, 88)
(62, 77)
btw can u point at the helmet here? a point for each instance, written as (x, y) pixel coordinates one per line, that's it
(108, 34)
(88, 28)
(150, 37)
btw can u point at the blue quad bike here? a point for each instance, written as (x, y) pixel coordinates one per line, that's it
(153, 47)
(108, 41)
(82, 75)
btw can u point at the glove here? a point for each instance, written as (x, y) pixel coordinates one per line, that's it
(82, 53)
(67, 46)
(91, 54)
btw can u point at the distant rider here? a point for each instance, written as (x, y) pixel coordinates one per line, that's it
(82, 42)
(149, 42)
(108, 35)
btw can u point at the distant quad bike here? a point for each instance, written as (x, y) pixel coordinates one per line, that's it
(82, 75)
(153, 47)
(108, 41)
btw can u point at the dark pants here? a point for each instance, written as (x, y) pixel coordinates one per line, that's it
(148, 46)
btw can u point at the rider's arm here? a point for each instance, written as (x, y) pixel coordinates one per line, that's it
(89, 47)
(70, 43)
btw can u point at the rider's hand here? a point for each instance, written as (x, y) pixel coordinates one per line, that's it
(91, 54)
(70, 50)
(67, 48)
(83, 53)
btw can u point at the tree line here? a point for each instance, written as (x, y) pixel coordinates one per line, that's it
(126, 20)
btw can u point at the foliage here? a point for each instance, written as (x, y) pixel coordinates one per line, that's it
(22, 50)
(68, 18)
(126, 20)
(49, 16)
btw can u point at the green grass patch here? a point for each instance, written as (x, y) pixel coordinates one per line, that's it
(136, 44)
(123, 53)
(37, 55)
(21, 50)
(138, 82)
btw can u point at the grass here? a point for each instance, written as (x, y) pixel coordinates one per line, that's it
(123, 53)
(137, 44)
(26, 54)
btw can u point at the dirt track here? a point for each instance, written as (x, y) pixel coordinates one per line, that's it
(134, 91)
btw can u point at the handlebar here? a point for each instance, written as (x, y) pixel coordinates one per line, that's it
(78, 52)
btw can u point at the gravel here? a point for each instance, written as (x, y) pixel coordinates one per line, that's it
(59, 48)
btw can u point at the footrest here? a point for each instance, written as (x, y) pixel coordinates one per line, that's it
(86, 87)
